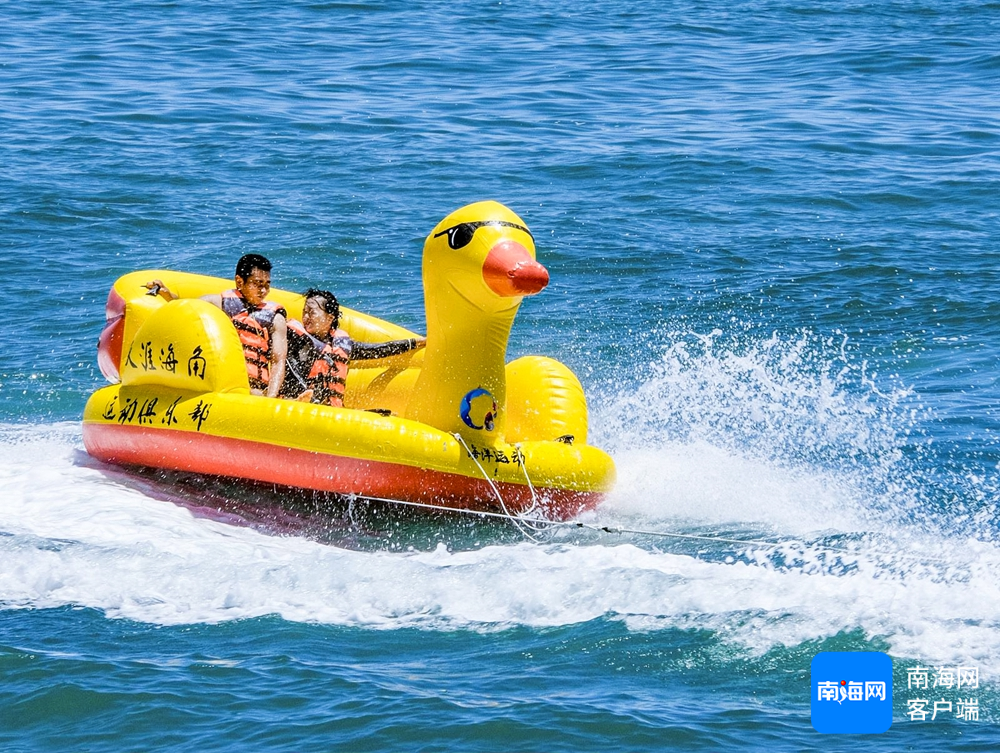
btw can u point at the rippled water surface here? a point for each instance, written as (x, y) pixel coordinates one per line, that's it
(773, 238)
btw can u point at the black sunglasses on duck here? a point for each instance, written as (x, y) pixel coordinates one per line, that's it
(461, 235)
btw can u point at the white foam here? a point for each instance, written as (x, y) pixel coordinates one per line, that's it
(701, 484)
(71, 534)
(788, 434)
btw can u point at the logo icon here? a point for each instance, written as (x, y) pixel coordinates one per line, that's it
(851, 692)
(478, 409)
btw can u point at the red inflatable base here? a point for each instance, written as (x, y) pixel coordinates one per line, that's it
(240, 458)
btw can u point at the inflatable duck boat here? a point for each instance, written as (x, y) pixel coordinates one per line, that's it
(451, 425)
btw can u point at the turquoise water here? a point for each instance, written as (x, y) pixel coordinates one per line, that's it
(772, 233)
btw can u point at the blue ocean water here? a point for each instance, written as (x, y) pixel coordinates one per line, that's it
(773, 237)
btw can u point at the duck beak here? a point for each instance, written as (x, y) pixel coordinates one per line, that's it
(509, 270)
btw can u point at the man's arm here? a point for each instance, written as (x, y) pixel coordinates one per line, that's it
(214, 298)
(279, 354)
(156, 287)
(162, 290)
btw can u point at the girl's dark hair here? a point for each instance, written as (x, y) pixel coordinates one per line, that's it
(330, 304)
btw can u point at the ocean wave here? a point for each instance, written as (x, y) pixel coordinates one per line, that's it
(72, 534)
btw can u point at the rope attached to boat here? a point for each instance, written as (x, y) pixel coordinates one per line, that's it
(534, 527)
(529, 527)
(551, 524)
(548, 525)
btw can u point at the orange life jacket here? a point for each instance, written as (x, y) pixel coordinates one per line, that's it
(254, 327)
(320, 366)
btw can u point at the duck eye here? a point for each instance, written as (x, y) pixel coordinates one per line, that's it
(460, 236)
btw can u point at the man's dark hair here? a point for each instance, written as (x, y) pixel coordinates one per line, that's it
(249, 262)
(330, 304)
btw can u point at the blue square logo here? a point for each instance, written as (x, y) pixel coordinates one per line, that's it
(851, 692)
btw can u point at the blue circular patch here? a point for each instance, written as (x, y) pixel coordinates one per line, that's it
(478, 404)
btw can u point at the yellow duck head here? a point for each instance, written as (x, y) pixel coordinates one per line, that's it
(478, 264)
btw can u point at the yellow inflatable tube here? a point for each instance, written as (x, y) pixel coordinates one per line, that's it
(452, 426)
(184, 403)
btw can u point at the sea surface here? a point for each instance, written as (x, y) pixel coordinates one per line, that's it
(773, 235)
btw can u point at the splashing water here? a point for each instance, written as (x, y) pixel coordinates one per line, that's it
(766, 440)
(792, 440)
(792, 433)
